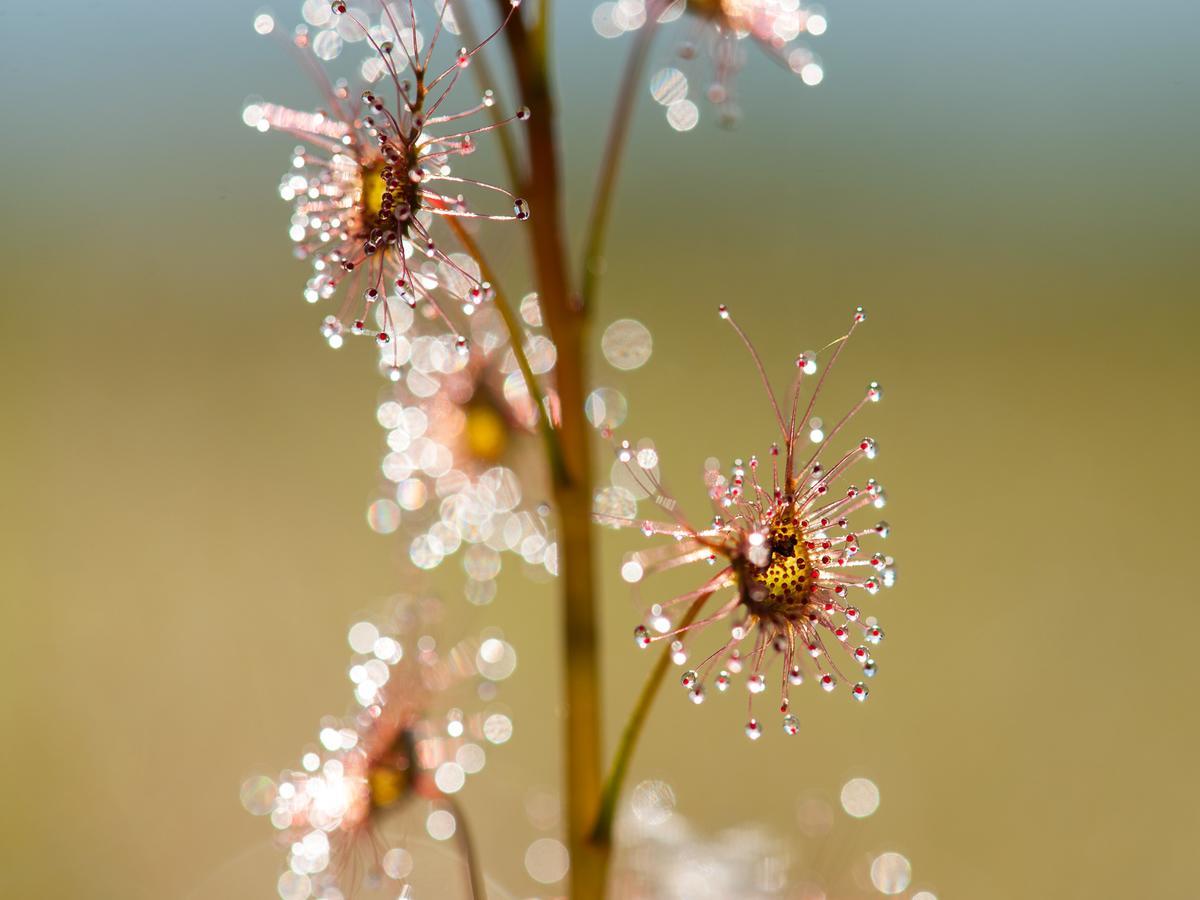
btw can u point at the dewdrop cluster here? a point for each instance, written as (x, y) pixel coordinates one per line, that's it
(713, 47)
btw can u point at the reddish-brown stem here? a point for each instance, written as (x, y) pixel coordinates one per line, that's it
(572, 482)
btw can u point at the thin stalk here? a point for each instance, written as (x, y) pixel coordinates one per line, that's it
(475, 879)
(602, 832)
(516, 335)
(566, 322)
(614, 148)
(483, 77)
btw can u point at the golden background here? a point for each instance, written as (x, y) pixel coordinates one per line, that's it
(1010, 191)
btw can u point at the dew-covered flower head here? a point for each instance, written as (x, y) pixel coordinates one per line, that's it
(711, 46)
(421, 720)
(374, 170)
(461, 471)
(791, 564)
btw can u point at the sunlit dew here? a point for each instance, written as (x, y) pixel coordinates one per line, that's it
(668, 86)
(292, 886)
(258, 795)
(816, 432)
(441, 825)
(616, 501)
(362, 637)
(264, 23)
(327, 45)
(471, 758)
(450, 777)
(606, 407)
(531, 310)
(547, 860)
(497, 728)
(683, 115)
(812, 74)
(626, 344)
(860, 797)
(653, 802)
(924, 895)
(891, 873)
(602, 21)
(816, 25)
(383, 516)
(411, 493)
(496, 659)
(397, 863)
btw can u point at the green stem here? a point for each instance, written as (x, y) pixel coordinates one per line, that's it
(602, 832)
(610, 164)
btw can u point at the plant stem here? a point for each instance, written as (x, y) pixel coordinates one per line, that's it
(602, 832)
(572, 485)
(475, 878)
(516, 336)
(610, 165)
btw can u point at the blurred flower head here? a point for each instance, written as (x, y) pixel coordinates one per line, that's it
(829, 852)
(421, 721)
(713, 48)
(462, 469)
(788, 559)
(373, 172)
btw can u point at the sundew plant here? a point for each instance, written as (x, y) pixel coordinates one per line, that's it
(488, 407)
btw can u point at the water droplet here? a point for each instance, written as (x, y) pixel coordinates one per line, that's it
(653, 802)
(547, 861)
(860, 797)
(891, 873)
(668, 85)
(791, 724)
(626, 344)
(682, 115)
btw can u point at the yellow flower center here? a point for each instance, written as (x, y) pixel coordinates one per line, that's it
(486, 431)
(373, 190)
(386, 785)
(789, 575)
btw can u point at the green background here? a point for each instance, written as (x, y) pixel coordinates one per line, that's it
(1012, 193)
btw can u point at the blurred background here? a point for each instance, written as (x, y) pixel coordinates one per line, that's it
(1010, 191)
